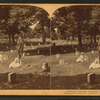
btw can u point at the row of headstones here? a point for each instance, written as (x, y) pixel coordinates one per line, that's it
(90, 78)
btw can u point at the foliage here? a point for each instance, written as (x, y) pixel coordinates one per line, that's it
(17, 18)
(76, 21)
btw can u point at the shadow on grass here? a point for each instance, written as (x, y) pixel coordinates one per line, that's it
(50, 50)
(61, 49)
(34, 43)
(35, 81)
(26, 81)
(74, 82)
(6, 46)
(39, 51)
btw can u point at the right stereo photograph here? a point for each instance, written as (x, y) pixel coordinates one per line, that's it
(75, 49)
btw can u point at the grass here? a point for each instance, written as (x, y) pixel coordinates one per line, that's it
(72, 67)
(35, 63)
(72, 75)
(25, 81)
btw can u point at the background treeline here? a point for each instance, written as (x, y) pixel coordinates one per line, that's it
(76, 23)
(32, 21)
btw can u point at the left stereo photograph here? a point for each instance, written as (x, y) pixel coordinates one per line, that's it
(24, 47)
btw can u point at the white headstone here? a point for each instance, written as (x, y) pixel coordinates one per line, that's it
(77, 53)
(11, 51)
(62, 62)
(91, 78)
(92, 51)
(28, 54)
(23, 54)
(57, 56)
(12, 78)
(44, 66)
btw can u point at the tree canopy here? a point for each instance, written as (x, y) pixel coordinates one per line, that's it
(18, 18)
(76, 21)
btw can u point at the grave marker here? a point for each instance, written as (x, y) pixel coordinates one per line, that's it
(24, 54)
(77, 53)
(57, 56)
(91, 78)
(62, 62)
(92, 51)
(28, 54)
(11, 51)
(45, 67)
(38, 51)
(12, 78)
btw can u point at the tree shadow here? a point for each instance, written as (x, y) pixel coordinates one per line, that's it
(63, 49)
(74, 82)
(6, 46)
(26, 81)
(60, 49)
(52, 49)
(39, 51)
(45, 81)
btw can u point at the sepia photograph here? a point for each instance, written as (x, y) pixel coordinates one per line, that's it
(75, 33)
(24, 47)
(50, 48)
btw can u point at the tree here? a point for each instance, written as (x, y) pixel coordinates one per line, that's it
(64, 21)
(22, 17)
(81, 15)
(4, 17)
(72, 20)
(95, 21)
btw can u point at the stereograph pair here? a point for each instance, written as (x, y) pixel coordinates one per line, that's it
(39, 51)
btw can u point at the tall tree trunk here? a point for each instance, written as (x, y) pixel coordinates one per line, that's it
(79, 34)
(94, 38)
(80, 39)
(9, 35)
(43, 39)
(91, 40)
(73, 37)
(43, 35)
(13, 40)
(94, 33)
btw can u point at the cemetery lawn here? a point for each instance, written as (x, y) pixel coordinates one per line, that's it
(71, 67)
(30, 63)
(29, 76)
(33, 64)
(72, 75)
